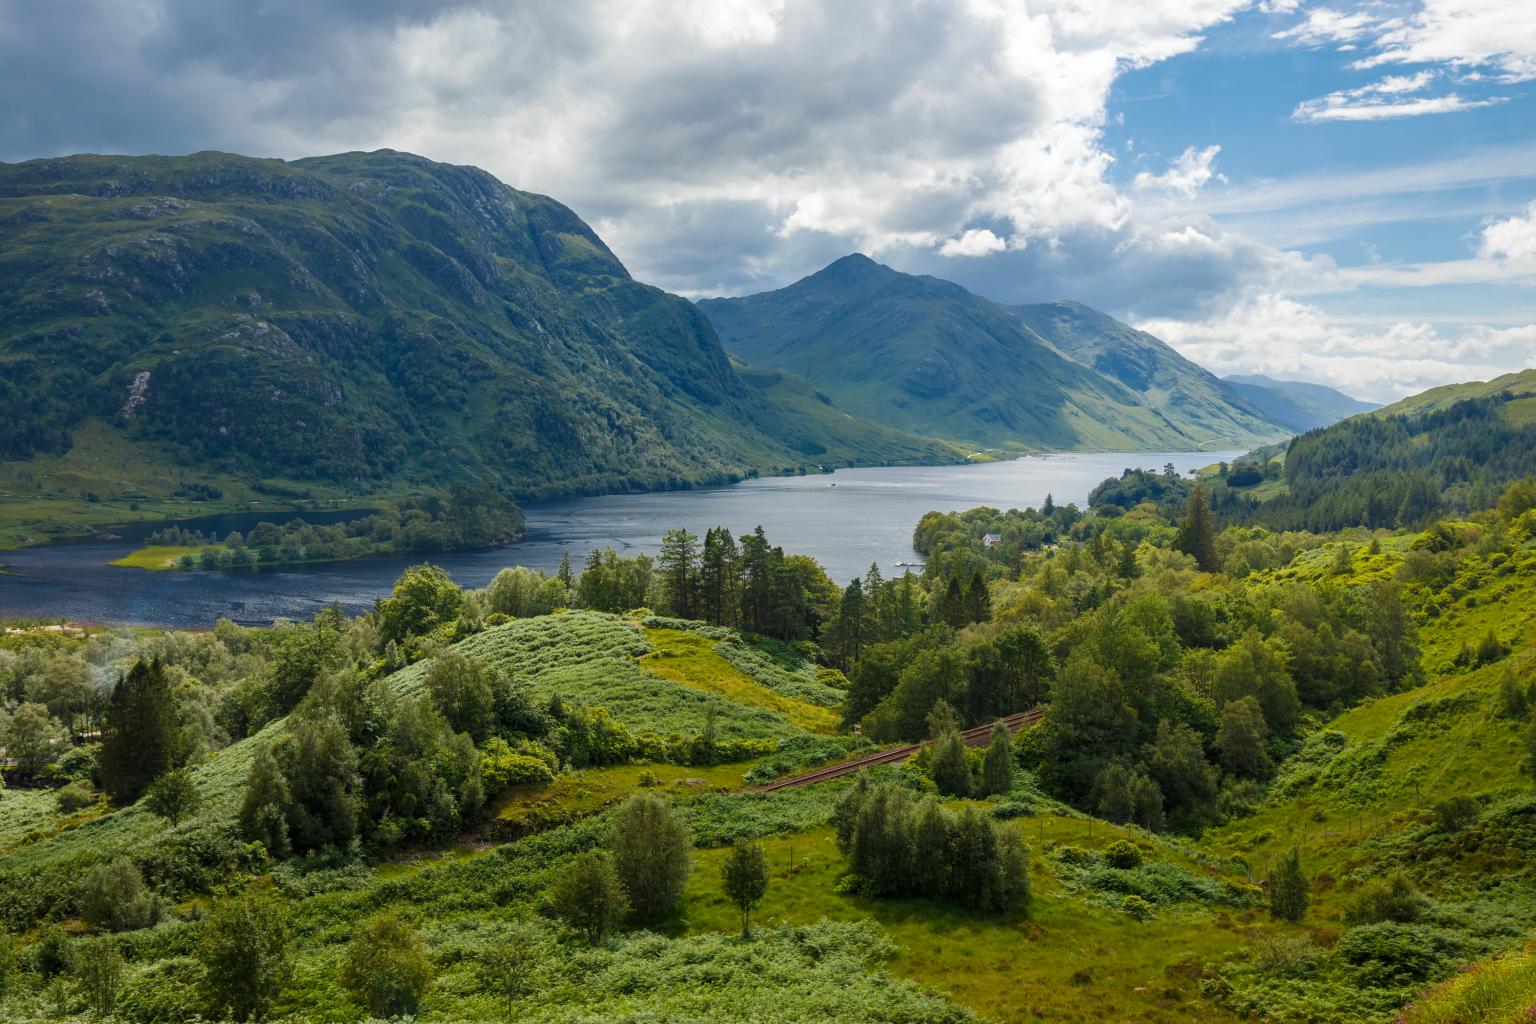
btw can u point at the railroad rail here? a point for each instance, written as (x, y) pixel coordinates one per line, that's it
(977, 737)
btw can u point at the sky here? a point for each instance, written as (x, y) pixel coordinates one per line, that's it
(1336, 191)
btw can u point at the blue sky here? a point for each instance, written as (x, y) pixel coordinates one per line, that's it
(1335, 191)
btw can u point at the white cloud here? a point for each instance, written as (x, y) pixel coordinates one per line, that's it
(1497, 34)
(1324, 25)
(1187, 175)
(1354, 105)
(975, 242)
(1279, 336)
(1279, 6)
(1513, 239)
(1460, 36)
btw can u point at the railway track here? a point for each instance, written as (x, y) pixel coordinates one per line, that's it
(976, 737)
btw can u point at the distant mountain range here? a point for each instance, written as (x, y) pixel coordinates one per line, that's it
(370, 321)
(929, 357)
(1297, 405)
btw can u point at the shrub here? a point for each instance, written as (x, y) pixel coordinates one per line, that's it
(244, 953)
(1289, 889)
(1137, 907)
(503, 766)
(52, 954)
(1383, 899)
(589, 897)
(1279, 955)
(1388, 954)
(74, 797)
(1454, 814)
(1123, 855)
(386, 968)
(113, 896)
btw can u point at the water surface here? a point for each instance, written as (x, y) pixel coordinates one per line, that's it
(845, 520)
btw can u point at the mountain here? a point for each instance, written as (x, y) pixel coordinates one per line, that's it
(367, 321)
(927, 356)
(1150, 368)
(1296, 404)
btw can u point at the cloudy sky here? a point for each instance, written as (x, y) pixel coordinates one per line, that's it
(1342, 192)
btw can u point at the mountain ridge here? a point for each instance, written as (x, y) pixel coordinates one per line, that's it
(368, 320)
(1300, 405)
(928, 356)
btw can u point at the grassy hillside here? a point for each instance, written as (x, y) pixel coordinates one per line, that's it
(1190, 395)
(1521, 387)
(1416, 777)
(365, 322)
(929, 357)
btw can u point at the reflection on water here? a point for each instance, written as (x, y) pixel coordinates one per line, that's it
(845, 520)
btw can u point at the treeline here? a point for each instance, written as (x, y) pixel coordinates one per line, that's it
(466, 517)
(896, 847)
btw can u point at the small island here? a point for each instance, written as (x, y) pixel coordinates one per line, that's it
(464, 518)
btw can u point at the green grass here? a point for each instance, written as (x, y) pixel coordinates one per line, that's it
(1500, 991)
(593, 658)
(161, 556)
(537, 806)
(691, 660)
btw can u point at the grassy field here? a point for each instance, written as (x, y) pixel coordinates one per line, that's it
(691, 660)
(160, 556)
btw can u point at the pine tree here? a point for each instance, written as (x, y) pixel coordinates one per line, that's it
(951, 766)
(997, 763)
(978, 599)
(1197, 533)
(565, 576)
(678, 562)
(140, 740)
(1289, 889)
(932, 853)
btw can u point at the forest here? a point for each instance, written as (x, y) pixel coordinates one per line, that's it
(464, 518)
(539, 799)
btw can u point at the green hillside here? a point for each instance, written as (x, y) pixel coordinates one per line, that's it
(1360, 699)
(1164, 380)
(929, 357)
(1297, 405)
(359, 323)
(1520, 386)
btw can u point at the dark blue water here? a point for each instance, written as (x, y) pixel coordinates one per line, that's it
(845, 520)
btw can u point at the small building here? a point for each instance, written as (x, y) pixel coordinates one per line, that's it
(992, 540)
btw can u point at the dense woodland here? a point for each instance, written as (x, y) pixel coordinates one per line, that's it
(464, 518)
(215, 823)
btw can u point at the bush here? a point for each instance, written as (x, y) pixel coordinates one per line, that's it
(1137, 907)
(589, 897)
(1123, 855)
(1455, 814)
(503, 766)
(113, 896)
(52, 954)
(1391, 955)
(386, 968)
(74, 797)
(1383, 899)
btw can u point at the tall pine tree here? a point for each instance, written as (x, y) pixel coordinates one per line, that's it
(1197, 534)
(140, 740)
